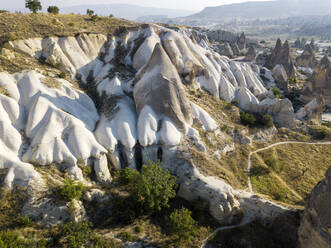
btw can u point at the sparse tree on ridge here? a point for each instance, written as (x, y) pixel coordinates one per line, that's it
(33, 5)
(90, 12)
(53, 10)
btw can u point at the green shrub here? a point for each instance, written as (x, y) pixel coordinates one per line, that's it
(71, 190)
(71, 24)
(23, 221)
(53, 10)
(182, 224)
(62, 75)
(111, 16)
(228, 106)
(266, 120)
(152, 187)
(76, 235)
(276, 92)
(12, 240)
(138, 229)
(125, 236)
(259, 170)
(235, 103)
(95, 18)
(127, 175)
(247, 119)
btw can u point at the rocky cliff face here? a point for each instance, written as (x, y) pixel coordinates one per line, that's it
(315, 226)
(281, 56)
(307, 58)
(321, 80)
(139, 111)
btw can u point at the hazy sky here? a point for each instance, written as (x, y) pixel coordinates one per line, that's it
(172, 4)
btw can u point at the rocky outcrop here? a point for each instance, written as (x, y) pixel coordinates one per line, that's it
(321, 80)
(312, 111)
(241, 41)
(307, 58)
(251, 54)
(281, 56)
(280, 76)
(315, 229)
(137, 81)
(226, 50)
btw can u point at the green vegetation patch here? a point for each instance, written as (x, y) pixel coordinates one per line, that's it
(288, 173)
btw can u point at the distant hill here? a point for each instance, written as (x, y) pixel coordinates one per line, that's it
(127, 11)
(263, 10)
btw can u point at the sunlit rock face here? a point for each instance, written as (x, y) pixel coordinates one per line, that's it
(315, 226)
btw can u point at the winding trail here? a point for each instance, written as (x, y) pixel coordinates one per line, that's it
(243, 223)
(249, 165)
(205, 242)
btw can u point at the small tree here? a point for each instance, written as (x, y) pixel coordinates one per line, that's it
(71, 190)
(33, 5)
(267, 120)
(152, 187)
(247, 118)
(53, 10)
(182, 224)
(90, 12)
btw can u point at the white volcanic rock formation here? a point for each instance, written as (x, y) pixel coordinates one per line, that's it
(138, 82)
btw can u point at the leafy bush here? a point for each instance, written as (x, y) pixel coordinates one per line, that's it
(266, 120)
(12, 240)
(76, 234)
(62, 75)
(127, 175)
(235, 103)
(182, 224)
(276, 92)
(53, 10)
(33, 5)
(152, 187)
(23, 221)
(125, 236)
(95, 18)
(247, 119)
(71, 190)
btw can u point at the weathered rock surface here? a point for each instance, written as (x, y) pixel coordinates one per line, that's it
(312, 110)
(251, 54)
(280, 77)
(307, 58)
(281, 56)
(143, 114)
(315, 229)
(321, 80)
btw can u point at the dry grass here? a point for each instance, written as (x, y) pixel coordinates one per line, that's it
(51, 82)
(4, 91)
(15, 26)
(297, 170)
